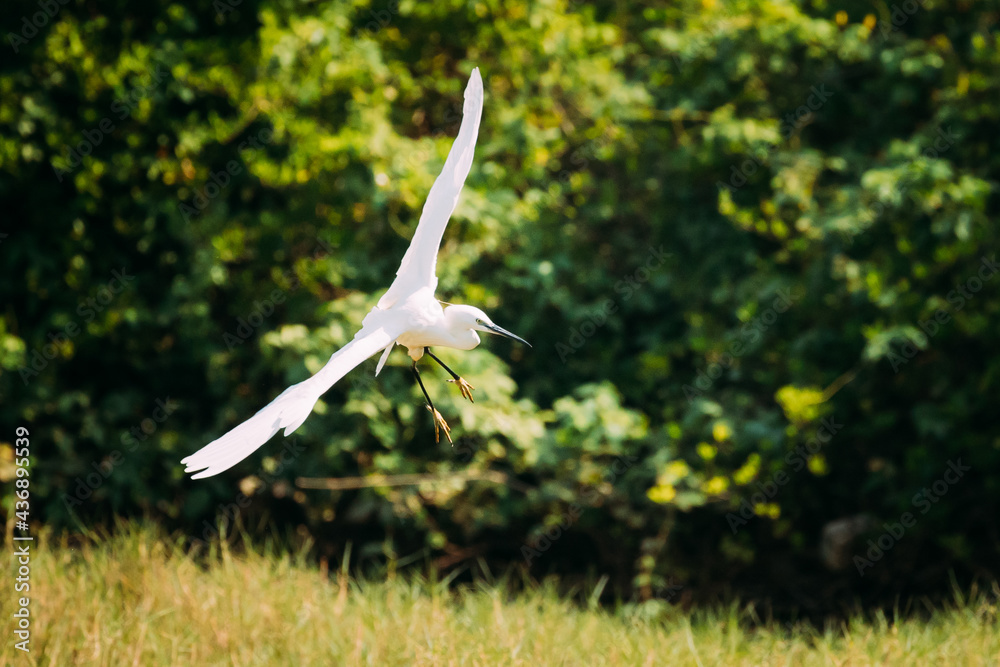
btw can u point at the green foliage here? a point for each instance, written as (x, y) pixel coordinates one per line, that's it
(718, 223)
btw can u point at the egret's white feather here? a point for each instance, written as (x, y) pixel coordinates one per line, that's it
(384, 358)
(407, 312)
(419, 265)
(290, 408)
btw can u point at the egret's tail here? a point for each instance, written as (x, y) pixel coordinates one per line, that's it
(292, 407)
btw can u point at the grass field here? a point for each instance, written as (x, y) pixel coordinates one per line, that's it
(139, 599)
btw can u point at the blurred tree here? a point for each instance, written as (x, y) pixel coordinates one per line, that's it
(750, 242)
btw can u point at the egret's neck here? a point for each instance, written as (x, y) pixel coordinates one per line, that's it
(464, 337)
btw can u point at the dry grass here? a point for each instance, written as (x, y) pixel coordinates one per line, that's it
(137, 599)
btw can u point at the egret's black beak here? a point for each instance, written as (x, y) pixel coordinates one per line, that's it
(503, 332)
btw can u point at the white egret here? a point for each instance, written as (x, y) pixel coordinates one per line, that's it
(408, 314)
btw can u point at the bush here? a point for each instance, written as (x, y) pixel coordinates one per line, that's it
(749, 242)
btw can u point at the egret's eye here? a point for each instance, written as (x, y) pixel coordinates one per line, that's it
(478, 321)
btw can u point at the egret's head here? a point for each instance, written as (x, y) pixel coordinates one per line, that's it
(475, 319)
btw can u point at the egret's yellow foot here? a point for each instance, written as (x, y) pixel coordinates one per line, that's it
(465, 387)
(440, 423)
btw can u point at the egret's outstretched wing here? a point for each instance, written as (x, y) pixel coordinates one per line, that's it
(419, 264)
(290, 408)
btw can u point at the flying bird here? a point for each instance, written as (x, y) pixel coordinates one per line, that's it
(408, 314)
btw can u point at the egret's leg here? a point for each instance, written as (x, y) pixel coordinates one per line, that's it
(464, 386)
(438, 419)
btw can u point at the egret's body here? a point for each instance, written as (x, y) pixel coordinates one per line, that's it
(434, 326)
(408, 314)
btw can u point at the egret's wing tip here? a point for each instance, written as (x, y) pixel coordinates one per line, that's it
(475, 85)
